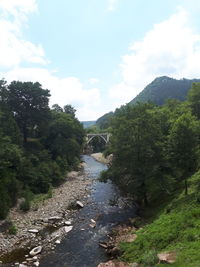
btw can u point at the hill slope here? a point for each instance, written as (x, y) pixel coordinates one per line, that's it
(163, 88)
(174, 226)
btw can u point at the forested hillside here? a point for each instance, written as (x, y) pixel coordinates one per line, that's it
(157, 92)
(163, 88)
(37, 145)
(155, 152)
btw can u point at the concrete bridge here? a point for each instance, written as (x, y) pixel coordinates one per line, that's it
(104, 136)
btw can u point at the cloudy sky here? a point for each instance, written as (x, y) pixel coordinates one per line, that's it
(98, 54)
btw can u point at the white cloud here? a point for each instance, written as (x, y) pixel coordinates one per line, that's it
(93, 80)
(171, 48)
(111, 5)
(14, 49)
(64, 91)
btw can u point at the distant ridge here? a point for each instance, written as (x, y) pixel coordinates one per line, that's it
(163, 88)
(87, 124)
(157, 92)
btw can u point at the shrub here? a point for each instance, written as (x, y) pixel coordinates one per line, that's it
(150, 258)
(25, 205)
(12, 230)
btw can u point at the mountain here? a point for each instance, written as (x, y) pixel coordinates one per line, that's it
(87, 124)
(104, 121)
(158, 91)
(164, 88)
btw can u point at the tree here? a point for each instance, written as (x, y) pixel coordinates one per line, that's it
(57, 108)
(136, 145)
(183, 146)
(68, 109)
(194, 99)
(29, 104)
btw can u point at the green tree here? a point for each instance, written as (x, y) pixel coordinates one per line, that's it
(183, 146)
(194, 99)
(68, 109)
(29, 104)
(57, 108)
(136, 145)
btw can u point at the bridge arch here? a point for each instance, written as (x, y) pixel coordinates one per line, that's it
(104, 136)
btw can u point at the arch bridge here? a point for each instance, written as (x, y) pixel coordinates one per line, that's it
(104, 136)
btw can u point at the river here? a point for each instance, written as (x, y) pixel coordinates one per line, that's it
(80, 248)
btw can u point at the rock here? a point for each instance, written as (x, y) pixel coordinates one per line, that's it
(68, 228)
(79, 204)
(55, 218)
(35, 251)
(93, 223)
(36, 263)
(33, 231)
(22, 265)
(103, 245)
(45, 220)
(68, 223)
(29, 259)
(35, 258)
(57, 242)
(169, 257)
(113, 264)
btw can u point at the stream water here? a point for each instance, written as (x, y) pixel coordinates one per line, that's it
(80, 248)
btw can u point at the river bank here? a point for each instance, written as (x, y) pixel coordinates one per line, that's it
(100, 158)
(49, 215)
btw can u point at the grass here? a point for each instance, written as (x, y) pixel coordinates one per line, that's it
(173, 225)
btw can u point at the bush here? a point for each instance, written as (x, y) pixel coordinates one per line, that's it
(25, 205)
(12, 230)
(150, 258)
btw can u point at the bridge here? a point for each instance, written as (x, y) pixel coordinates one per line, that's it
(104, 136)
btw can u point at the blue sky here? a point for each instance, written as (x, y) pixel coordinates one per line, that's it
(98, 54)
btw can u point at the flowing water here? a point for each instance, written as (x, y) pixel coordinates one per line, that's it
(80, 248)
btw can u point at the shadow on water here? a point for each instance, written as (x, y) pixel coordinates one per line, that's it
(80, 248)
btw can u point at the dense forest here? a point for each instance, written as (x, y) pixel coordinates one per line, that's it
(156, 156)
(155, 148)
(38, 145)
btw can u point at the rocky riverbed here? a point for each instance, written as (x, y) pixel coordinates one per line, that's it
(45, 224)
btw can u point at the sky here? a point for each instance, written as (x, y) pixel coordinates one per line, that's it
(98, 54)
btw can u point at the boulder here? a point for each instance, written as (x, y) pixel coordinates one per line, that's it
(68, 228)
(57, 241)
(34, 231)
(79, 204)
(68, 223)
(35, 251)
(167, 257)
(36, 263)
(93, 223)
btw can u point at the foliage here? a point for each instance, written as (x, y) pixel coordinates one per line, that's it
(12, 229)
(173, 228)
(155, 148)
(52, 143)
